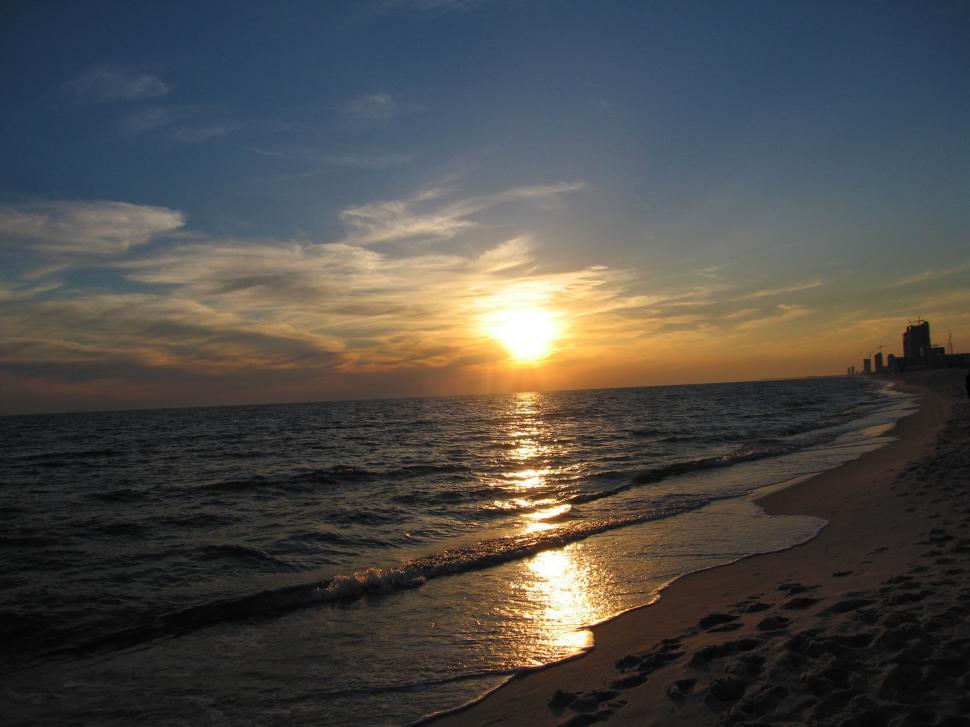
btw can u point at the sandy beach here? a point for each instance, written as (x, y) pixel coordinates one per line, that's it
(864, 625)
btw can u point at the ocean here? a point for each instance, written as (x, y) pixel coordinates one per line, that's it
(372, 562)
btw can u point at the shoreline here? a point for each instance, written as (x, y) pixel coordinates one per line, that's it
(855, 500)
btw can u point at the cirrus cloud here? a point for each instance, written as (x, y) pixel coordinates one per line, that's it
(109, 83)
(71, 228)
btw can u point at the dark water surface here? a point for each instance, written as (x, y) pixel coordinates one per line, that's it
(370, 562)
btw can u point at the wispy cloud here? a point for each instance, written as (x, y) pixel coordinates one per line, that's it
(175, 124)
(740, 314)
(925, 275)
(209, 307)
(794, 288)
(779, 314)
(197, 309)
(431, 216)
(425, 6)
(20, 291)
(358, 160)
(109, 83)
(378, 106)
(71, 228)
(281, 306)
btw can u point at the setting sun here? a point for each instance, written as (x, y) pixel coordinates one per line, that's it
(527, 333)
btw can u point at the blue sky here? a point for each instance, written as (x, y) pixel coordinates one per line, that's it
(218, 203)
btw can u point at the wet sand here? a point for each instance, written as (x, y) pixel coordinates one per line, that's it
(867, 624)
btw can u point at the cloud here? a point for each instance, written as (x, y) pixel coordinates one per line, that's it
(175, 124)
(928, 275)
(23, 291)
(742, 313)
(779, 314)
(796, 287)
(423, 6)
(150, 119)
(139, 337)
(377, 107)
(199, 132)
(313, 316)
(217, 308)
(82, 229)
(108, 83)
(428, 216)
(358, 160)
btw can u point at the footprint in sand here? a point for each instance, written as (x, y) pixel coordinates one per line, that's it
(709, 653)
(800, 603)
(756, 607)
(774, 623)
(726, 628)
(679, 689)
(849, 604)
(792, 588)
(715, 619)
(726, 689)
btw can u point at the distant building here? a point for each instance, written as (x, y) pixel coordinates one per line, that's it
(916, 341)
(920, 353)
(878, 363)
(866, 366)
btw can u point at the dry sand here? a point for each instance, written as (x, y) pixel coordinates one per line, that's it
(867, 624)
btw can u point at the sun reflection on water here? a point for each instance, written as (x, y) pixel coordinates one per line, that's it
(525, 463)
(559, 597)
(556, 593)
(529, 479)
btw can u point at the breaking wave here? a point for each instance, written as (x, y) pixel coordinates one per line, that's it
(344, 587)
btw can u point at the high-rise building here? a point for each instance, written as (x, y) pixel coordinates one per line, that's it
(866, 366)
(878, 362)
(916, 340)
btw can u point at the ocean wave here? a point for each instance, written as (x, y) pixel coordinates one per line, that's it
(367, 582)
(445, 497)
(49, 457)
(336, 475)
(198, 520)
(674, 469)
(125, 494)
(362, 516)
(116, 529)
(240, 553)
(318, 536)
(26, 541)
(645, 432)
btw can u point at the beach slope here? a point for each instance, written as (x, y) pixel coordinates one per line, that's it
(865, 624)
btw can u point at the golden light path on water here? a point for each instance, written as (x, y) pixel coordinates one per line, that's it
(549, 599)
(555, 589)
(561, 592)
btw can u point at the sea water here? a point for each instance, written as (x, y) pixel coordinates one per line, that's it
(371, 562)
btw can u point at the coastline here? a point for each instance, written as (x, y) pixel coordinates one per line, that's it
(662, 663)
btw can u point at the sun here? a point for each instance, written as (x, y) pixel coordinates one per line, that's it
(527, 333)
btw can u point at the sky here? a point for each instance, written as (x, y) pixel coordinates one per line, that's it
(226, 203)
